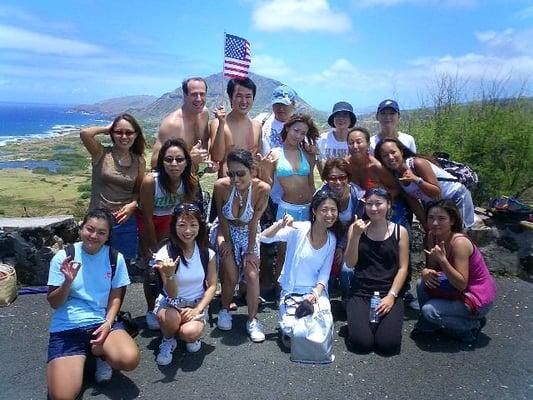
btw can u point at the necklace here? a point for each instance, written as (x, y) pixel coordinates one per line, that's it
(121, 160)
(240, 196)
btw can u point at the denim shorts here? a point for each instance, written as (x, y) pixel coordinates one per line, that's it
(74, 342)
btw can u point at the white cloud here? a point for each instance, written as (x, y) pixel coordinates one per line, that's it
(299, 15)
(25, 40)
(430, 3)
(494, 63)
(508, 43)
(525, 13)
(270, 66)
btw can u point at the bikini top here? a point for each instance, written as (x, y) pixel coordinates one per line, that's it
(248, 212)
(284, 167)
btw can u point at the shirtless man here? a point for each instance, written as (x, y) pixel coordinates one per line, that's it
(237, 130)
(189, 122)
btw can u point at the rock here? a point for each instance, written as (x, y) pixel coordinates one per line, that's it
(30, 243)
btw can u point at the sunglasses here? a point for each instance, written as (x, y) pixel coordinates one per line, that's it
(338, 178)
(170, 159)
(233, 174)
(186, 207)
(124, 132)
(377, 191)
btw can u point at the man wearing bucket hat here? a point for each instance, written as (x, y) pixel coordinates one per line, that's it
(333, 144)
(388, 116)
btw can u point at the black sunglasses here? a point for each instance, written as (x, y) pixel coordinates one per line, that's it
(233, 174)
(170, 159)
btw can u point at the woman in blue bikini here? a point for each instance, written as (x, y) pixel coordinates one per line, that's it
(241, 199)
(292, 166)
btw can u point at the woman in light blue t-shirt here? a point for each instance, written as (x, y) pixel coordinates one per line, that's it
(86, 293)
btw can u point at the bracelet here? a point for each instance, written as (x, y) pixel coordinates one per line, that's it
(419, 181)
(393, 293)
(170, 277)
(109, 323)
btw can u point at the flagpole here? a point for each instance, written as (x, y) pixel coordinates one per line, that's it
(223, 61)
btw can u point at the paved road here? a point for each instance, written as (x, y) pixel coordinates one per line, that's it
(229, 366)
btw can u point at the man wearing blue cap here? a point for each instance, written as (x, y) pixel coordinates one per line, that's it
(333, 143)
(388, 116)
(283, 103)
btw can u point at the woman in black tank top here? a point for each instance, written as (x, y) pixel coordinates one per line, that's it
(378, 250)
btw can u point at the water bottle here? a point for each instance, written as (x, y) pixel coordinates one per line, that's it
(374, 303)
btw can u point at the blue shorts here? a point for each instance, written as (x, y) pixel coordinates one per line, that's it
(73, 342)
(125, 238)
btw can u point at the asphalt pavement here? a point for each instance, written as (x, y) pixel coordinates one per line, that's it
(230, 366)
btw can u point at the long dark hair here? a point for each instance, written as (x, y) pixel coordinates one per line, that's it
(192, 210)
(100, 213)
(139, 144)
(451, 209)
(312, 131)
(318, 198)
(190, 182)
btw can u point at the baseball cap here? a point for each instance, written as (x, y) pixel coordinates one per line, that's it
(283, 95)
(388, 104)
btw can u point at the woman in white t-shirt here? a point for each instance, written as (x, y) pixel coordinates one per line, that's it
(188, 273)
(310, 249)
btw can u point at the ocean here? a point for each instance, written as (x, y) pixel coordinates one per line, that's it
(32, 121)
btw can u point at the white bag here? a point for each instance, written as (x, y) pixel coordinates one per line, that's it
(312, 338)
(8, 285)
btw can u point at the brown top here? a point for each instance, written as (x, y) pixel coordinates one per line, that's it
(112, 184)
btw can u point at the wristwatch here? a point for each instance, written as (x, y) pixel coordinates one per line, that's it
(393, 293)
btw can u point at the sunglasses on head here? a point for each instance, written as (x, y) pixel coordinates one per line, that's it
(186, 207)
(233, 174)
(170, 159)
(377, 191)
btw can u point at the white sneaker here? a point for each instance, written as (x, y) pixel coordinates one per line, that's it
(224, 320)
(152, 321)
(255, 330)
(193, 347)
(103, 372)
(166, 348)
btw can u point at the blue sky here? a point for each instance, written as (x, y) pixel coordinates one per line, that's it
(361, 51)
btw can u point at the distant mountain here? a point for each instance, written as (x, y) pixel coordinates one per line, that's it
(153, 109)
(117, 105)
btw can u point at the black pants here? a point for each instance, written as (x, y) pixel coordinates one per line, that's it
(385, 336)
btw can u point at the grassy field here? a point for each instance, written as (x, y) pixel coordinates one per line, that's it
(25, 192)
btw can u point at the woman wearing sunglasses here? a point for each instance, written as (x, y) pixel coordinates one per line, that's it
(241, 199)
(337, 177)
(378, 251)
(189, 278)
(117, 173)
(161, 191)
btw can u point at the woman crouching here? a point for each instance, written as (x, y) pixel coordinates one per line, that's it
(86, 293)
(456, 289)
(188, 273)
(310, 249)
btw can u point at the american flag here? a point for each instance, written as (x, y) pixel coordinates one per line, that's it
(236, 57)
